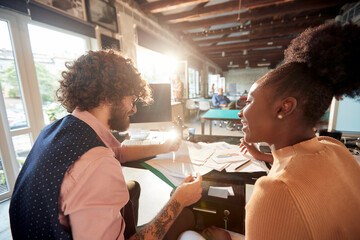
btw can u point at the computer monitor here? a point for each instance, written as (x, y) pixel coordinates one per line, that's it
(345, 117)
(159, 110)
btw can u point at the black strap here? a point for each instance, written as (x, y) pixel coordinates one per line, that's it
(128, 214)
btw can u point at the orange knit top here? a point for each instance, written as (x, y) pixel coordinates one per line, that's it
(311, 192)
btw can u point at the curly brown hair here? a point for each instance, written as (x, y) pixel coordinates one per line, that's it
(100, 76)
(321, 63)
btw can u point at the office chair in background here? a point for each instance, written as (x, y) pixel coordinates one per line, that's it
(191, 106)
(203, 106)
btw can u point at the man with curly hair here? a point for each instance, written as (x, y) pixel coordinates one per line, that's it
(71, 185)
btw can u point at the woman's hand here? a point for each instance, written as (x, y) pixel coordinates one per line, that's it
(252, 149)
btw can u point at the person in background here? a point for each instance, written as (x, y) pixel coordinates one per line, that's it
(219, 100)
(212, 89)
(312, 190)
(241, 102)
(177, 88)
(71, 185)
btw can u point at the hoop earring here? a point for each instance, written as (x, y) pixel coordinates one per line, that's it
(279, 116)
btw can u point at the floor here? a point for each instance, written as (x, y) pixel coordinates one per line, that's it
(153, 190)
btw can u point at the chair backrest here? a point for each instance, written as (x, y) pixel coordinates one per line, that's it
(204, 105)
(190, 104)
(241, 102)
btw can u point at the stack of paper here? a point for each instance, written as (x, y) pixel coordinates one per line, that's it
(192, 158)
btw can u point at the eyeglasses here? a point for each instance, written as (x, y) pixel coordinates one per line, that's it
(136, 99)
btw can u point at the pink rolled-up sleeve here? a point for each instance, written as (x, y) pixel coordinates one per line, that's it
(92, 194)
(120, 153)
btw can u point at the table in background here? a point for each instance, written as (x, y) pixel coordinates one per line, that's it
(218, 114)
(208, 100)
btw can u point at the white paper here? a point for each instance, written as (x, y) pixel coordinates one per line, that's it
(255, 166)
(193, 152)
(214, 165)
(221, 192)
(177, 169)
(221, 146)
(199, 151)
(216, 192)
(192, 158)
(228, 155)
(237, 166)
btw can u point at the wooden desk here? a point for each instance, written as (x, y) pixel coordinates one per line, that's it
(210, 210)
(218, 114)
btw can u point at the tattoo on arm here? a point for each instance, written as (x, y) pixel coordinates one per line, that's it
(157, 228)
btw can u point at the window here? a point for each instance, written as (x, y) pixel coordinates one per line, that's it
(155, 67)
(13, 103)
(9, 80)
(23, 102)
(216, 81)
(4, 188)
(194, 83)
(51, 49)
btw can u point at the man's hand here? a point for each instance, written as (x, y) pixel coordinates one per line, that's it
(189, 191)
(172, 145)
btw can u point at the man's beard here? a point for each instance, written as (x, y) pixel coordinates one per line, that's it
(119, 119)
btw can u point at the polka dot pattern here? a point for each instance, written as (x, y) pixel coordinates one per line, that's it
(34, 204)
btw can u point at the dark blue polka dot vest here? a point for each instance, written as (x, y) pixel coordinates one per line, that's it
(34, 203)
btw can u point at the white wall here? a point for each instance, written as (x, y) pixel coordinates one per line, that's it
(244, 78)
(128, 36)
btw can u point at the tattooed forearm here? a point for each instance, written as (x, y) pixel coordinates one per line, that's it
(175, 207)
(157, 228)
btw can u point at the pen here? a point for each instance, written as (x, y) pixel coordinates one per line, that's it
(242, 164)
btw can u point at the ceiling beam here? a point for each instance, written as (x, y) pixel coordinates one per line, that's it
(250, 54)
(253, 64)
(241, 60)
(243, 66)
(248, 45)
(218, 9)
(166, 5)
(268, 33)
(306, 20)
(259, 13)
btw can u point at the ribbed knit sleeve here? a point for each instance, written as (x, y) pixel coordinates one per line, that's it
(283, 221)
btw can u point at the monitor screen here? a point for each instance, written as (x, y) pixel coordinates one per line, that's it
(159, 110)
(346, 117)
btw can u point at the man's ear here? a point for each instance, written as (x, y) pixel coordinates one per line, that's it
(286, 107)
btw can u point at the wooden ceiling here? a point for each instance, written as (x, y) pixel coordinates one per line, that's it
(237, 34)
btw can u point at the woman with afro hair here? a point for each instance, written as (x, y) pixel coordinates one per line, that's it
(313, 188)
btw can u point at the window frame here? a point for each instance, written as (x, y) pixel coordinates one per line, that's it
(25, 66)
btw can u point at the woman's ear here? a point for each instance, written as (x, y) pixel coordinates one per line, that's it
(286, 107)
